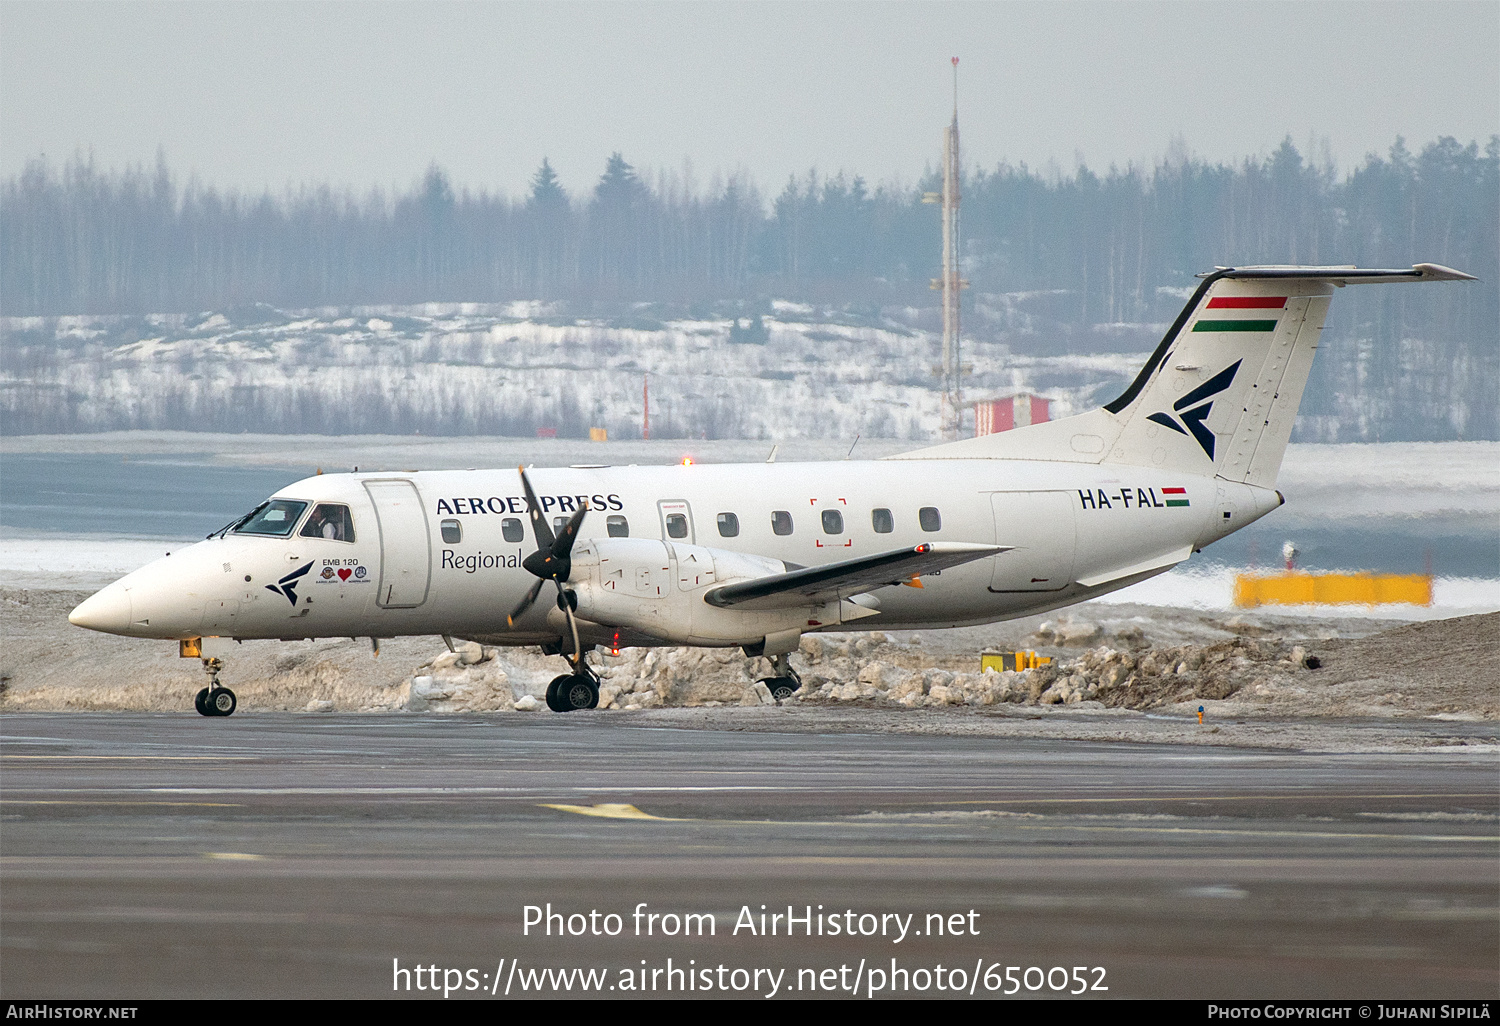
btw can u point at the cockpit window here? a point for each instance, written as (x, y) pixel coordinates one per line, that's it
(329, 520)
(275, 518)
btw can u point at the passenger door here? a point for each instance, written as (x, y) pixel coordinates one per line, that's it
(405, 546)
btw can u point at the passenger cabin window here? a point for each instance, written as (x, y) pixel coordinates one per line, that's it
(275, 518)
(558, 523)
(677, 526)
(618, 526)
(882, 521)
(512, 530)
(833, 522)
(453, 532)
(781, 521)
(930, 518)
(330, 520)
(729, 525)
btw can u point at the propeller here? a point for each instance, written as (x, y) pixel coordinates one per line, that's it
(552, 560)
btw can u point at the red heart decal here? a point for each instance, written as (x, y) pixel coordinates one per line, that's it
(344, 574)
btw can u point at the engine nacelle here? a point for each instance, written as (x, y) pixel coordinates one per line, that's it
(657, 587)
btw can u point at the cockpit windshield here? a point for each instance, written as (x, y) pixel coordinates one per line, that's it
(275, 518)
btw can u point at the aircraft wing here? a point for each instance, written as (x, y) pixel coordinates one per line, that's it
(849, 576)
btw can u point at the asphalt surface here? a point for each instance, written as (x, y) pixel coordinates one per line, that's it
(167, 855)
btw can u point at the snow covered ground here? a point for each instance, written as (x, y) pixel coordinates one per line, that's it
(511, 369)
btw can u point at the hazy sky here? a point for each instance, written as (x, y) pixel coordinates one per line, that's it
(263, 94)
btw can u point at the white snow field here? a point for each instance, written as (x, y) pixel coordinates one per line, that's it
(512, 368)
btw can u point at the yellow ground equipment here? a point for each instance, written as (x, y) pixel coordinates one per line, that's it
(1301, 589)
(1002, 661)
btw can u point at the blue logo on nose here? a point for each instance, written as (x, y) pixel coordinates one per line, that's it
(287, 586)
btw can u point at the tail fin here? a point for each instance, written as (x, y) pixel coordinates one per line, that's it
(1223, 387)
(1220, 393)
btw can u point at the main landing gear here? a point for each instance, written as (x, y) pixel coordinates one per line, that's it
(786, 682)
(576, 690)
(216, 699)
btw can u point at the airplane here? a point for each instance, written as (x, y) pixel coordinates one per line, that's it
(756, 555)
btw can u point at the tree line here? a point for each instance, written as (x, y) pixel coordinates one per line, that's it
(1112, 247)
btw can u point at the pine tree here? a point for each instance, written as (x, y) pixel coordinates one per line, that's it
(546, 194)
(549, 233)
(615, 237)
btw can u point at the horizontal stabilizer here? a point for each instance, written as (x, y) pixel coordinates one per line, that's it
(849, 577)
(1351, 275)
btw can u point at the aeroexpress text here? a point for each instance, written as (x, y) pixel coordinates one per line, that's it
(517, 503)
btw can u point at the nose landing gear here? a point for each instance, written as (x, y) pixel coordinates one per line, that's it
(216, 699)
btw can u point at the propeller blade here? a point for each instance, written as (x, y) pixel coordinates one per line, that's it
(563, 546)
(536, 589)
(539, 525)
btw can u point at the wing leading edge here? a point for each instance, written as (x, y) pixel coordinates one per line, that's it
(849, 576)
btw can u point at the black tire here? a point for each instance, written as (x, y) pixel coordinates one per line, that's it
(555, 693)
(221, 702)
(580, 693)
(200, 702)
(781, 688)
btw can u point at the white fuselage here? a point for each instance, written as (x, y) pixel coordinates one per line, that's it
(1074, 530)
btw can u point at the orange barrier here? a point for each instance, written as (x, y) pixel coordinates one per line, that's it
(1303, 589)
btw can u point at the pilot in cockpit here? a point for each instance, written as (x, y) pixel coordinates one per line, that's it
(330, 522)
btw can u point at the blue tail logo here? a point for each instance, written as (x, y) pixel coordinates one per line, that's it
(287, 586)
(1193, 409)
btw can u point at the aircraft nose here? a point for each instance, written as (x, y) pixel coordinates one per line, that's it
(107, 610)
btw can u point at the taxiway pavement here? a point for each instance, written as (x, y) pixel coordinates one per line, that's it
(280, 855)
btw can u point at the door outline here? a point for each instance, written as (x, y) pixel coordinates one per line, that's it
(397, 529)
(666, 506)
(1032, 521)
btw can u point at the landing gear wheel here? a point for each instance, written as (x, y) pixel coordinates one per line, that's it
(572, 691)
(781, 688)
(220, 702)
(582, 693)
(555, 690)
(200, 702)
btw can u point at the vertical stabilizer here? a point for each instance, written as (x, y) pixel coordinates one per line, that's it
(1220, 393)
(1222, 389)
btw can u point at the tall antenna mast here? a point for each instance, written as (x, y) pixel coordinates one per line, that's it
(951, 283)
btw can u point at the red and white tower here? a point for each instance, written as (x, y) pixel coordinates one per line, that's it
(951, 283)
